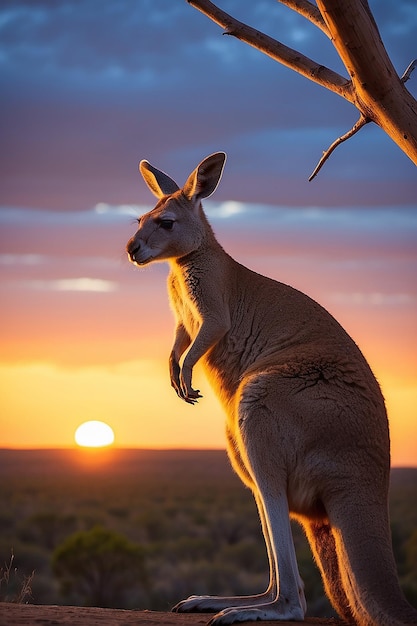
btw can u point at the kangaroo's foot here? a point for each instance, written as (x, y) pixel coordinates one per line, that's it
(277, 610)
(213, 604)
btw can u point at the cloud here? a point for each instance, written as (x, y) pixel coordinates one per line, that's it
(96, 285)
(354, 233)
(351, 256)
(76, 235)
(22, 259)
(98, 235)
(225, 210)
(132, 210)
(373, 299)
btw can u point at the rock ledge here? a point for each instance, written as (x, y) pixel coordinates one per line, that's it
(40, 615)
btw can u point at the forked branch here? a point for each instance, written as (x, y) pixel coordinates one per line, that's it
(374, 87)
(309, 11)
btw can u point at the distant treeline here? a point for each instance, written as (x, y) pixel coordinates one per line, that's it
(145, 529)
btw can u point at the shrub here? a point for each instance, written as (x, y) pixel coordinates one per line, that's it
(99, 567)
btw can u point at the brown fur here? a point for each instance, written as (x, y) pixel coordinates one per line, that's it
(306, 424)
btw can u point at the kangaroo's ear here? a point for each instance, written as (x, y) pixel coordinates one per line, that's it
(158, 182)
(205, 178)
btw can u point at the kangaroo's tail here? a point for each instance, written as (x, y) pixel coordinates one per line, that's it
(367, 567)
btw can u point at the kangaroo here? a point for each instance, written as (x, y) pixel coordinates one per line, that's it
(306, 425)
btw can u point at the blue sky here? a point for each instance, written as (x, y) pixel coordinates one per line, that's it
(89, 88)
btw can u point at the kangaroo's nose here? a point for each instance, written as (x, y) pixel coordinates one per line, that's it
(132, 249)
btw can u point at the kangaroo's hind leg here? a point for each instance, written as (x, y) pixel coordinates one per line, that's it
(322, 543)
(260, 448)
(213, 604)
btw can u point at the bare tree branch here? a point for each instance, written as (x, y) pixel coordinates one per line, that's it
(279, 52)
(408, 71)
(359, 124)
(309, 11)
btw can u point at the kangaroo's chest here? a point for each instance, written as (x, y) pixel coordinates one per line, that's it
(190, 318)
(185, 305)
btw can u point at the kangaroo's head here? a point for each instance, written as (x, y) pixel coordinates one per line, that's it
(177, 225)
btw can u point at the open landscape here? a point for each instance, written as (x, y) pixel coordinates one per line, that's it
(143, 529)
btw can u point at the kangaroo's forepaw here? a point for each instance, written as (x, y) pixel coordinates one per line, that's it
(192, 396)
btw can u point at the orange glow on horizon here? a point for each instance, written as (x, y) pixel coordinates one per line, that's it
(136, 398)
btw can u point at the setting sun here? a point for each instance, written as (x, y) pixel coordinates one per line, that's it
(94, 434)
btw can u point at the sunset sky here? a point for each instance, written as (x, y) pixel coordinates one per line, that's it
(88, 89)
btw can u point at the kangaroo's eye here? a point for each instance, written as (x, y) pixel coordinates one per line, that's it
(166, 224)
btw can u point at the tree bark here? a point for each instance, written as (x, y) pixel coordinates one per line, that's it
(374, 86)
